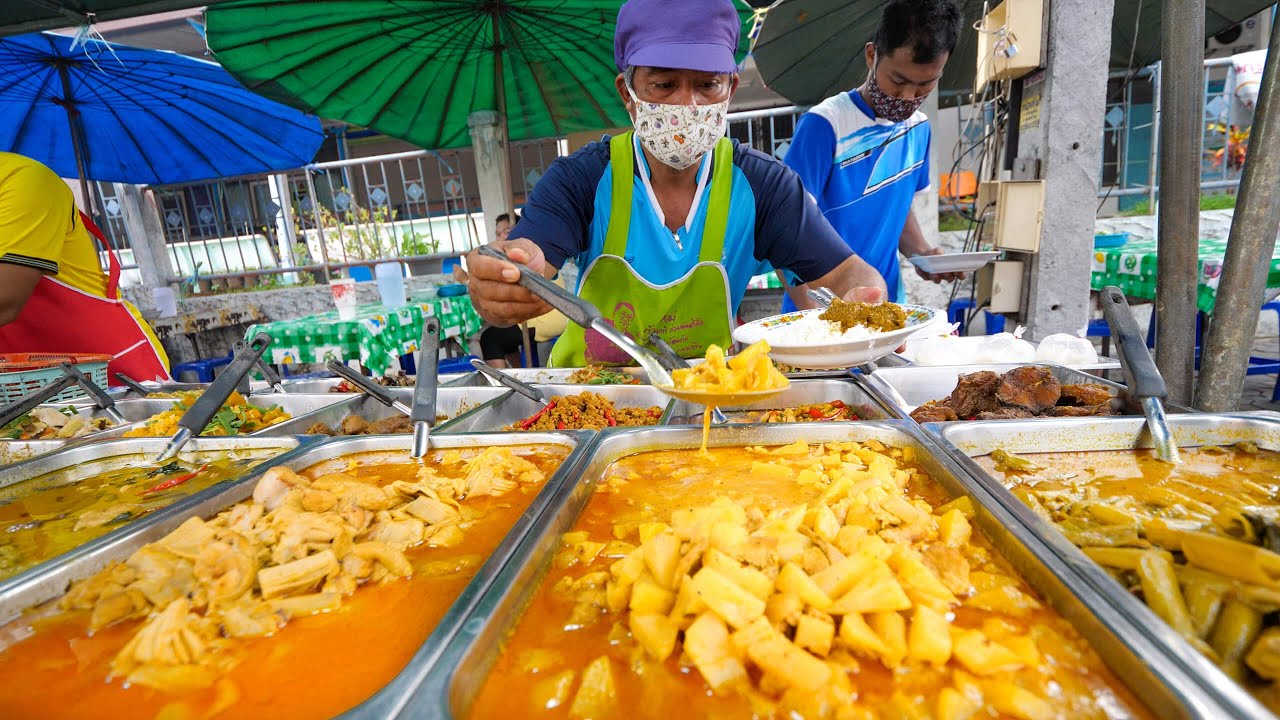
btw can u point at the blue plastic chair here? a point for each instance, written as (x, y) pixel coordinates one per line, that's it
(361, 273)
(203, 368)
(448, 365)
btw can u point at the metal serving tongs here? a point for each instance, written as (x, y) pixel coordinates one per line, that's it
(100, 397)
(369, 386)
(132, 384)
(423, 413)
(588, 316)
(201, 412)
(1141, 374)
(32, 400)
(268, 373)
(672, 360)
(502, 378)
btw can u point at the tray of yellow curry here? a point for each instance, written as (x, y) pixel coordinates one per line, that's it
(796, 571)
(58, 507)
(314, 591)
(1195, 545)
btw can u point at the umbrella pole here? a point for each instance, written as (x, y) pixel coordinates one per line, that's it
(77, 136)
(1252, 241)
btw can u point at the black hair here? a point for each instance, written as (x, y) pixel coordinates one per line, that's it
(929, 27)
(508, 218)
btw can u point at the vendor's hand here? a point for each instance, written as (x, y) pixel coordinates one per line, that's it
(493, 288)
(936, 277)
(866, 295)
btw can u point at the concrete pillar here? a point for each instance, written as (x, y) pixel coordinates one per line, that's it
(146, 234)
(1066, 144)
(493, 165)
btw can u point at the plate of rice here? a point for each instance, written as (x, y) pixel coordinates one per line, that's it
(809, 341)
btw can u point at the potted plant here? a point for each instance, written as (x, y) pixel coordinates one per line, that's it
(413, 243)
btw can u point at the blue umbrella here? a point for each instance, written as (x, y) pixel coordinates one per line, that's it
(116, 113)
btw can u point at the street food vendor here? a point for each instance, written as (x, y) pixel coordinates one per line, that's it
(667, 223)
(864, 154)
(54, 296)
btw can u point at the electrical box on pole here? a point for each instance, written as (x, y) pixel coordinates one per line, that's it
(1009, 41)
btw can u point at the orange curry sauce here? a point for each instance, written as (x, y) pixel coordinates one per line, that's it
(314, 667)
(649, 487)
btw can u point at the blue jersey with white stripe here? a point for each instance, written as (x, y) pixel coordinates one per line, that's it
(864, 172)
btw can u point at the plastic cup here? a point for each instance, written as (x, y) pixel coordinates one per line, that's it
(344, 296)
(390, 278)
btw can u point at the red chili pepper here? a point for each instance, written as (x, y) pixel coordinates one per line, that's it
(815, 413)
(560, 425)
(529, 421)
(608, 416)
(175, 481)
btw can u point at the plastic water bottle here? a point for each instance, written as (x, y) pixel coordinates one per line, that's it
(390, 279)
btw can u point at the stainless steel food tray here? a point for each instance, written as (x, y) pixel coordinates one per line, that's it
(453, 683)
(13, 451)
(906, 388)
(801, 392)
(453, 402)
(299, 406)
(319, 386)
(973, 439)
(560, 376)
(517, 407)
(50, 578)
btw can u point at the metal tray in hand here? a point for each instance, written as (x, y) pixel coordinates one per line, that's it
(452, 685)
(452, 402)
(974, 439)
(517, 407)
(50, 578)
(299, 406)
(904, 389)
(801, 392)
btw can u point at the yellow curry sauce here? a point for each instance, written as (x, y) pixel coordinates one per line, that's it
(590, 645)
(312, 666)
(1199, 542)
(49, 515)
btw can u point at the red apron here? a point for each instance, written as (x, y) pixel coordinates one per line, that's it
(58, 318)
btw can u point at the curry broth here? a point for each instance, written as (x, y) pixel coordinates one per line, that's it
(316, 666)
(649, 487)
(1126, 508)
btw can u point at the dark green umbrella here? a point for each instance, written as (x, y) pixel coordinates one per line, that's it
(812, 49)
(415, 69)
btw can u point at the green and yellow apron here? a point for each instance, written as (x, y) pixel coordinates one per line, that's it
(690, 314)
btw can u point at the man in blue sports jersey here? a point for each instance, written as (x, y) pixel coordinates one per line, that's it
(864, 154)
(667, 223)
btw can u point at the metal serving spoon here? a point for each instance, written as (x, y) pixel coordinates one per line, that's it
(588, 316)
(673, 360)
(423, 413)
(369, 386)
(1143, 378)
(502, 378)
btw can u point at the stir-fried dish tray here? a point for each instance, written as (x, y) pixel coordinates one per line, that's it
(815, 581)
(586, 411)
(1024, 392)
(54, 423)
(236, 417)
(299, 602)
(46, 516)
(1199, 542)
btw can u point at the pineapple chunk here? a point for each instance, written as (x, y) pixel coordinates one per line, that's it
(930, 637)
(1011, 700)
(891, 628)
(824, 523)
(749, 579)
(726, 599)
(861, 639)
(648, 597)
(955, 705)
(597, 694)
(777, 656)
(617, 595)
(919, 582)
(655, 633)
(783, 609)
(979, 655)
(630, 568)
(840, 576)
(874, 591)
(730, 538)
(661, 554)
(953, 528)
(570, 539)
(554, 691)
(815, 633)
(963, 503)
(794, 580)
(651, 529)
(707, 643)
(775, 472)
(687, 601)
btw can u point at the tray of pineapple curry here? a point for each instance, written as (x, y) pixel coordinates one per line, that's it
(312, 591)
(1190, 552)
(829, 570)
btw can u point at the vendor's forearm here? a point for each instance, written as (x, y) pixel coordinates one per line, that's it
(852, 273)
(912, 242)
(17, 282)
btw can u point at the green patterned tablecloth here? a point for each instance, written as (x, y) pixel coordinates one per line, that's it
(377, 337)
(1132, 268)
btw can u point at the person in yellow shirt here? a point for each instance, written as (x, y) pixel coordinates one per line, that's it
(54, 296)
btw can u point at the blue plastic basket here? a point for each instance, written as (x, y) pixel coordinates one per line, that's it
(24, 373)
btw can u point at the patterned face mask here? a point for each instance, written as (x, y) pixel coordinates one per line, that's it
(679, 135)
(891, 108)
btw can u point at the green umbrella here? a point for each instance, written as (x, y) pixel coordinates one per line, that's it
(415, 69)
(812, 49)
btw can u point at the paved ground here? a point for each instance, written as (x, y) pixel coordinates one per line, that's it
(1258, 388)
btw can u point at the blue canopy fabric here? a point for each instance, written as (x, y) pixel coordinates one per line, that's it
(140, 116)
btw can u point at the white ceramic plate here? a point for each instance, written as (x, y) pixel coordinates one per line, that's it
(834, 355)
(955, 262)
